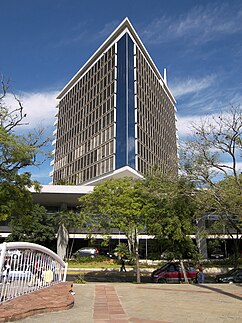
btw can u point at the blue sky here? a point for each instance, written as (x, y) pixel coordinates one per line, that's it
(44, 43)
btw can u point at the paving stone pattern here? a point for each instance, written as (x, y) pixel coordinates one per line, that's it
(149, 303)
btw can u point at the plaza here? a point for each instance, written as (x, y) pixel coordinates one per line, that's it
(149, 303)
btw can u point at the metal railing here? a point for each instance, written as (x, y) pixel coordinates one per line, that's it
(26, 267)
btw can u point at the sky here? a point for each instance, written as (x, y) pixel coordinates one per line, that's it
(44, 43)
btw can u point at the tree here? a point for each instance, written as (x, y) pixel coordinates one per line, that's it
(116, 203)
(215, 149)
(170, 210)
(211, 158)
(16, 153)
(35, 227)
(224, 201)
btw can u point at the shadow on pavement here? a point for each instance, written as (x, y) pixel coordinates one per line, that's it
(220, 291)
(109, 276)
(115, 276)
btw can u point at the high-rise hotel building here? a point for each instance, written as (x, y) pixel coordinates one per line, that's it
(116, 116)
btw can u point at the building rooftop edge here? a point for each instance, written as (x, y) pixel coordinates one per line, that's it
(125, 171)
(121, 27)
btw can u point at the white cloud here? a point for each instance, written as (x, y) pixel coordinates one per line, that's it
(238, 165)
(184, 124)
(190, 85)
(108, 28)
(201, 23)
(40, 107)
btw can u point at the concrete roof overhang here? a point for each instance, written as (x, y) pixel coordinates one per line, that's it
(58, 195)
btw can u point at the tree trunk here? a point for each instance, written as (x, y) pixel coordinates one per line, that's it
(136, 247)
(133, 243)
(184, 272)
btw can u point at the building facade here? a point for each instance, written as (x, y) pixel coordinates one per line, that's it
(116, 117)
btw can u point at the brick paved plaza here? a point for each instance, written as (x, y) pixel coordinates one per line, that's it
(149, 303)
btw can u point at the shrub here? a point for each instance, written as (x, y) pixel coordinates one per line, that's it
(79, 279)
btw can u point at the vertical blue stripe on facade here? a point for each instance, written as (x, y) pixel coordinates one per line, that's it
(131, 119)
(125, 126)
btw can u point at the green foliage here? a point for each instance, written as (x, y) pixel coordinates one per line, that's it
(228, 197)
(214, 245)
(164, 206)
(213, 153)
(105, 242)
(35, 227)
(122, 250)
(224, 200)
(170, 212)
(69, 218)
(79, 279)
(114, 204)
(14, 194)
(16, 153)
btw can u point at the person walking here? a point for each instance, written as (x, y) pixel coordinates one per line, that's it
(200, 274)
(122, 268)
(6, 269)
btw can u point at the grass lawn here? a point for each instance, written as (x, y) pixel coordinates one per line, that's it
(101, 263)
(93, 264)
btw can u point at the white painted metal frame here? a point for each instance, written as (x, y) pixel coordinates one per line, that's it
(26, 267)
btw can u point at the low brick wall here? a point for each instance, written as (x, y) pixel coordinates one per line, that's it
(50, 299)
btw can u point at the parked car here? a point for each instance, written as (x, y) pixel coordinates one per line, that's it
(111, 255)
(20, 274)
(17, 274)
(87, 252)
(232, 276)
(217, 254)
(172, 272)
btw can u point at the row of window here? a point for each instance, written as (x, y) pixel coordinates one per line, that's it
(84, 123)
(164, 167)
(84, 117)
(158, 107)
(104, 86)
(155, 119)
(83, 174)
(73, 139)
(87, 77)
(88, 109)
(150, 79)
(154, 144)
(82, 106)
(148, 133)
(95, 121)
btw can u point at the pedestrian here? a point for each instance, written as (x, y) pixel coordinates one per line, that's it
(38, 273)
(6, 269)
(200, 274)
(122, 268)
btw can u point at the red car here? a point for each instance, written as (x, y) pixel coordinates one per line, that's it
(172, 273)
